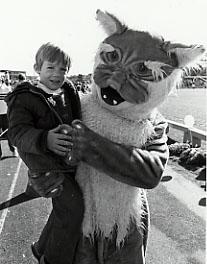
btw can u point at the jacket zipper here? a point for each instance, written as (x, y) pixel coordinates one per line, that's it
(51, 108)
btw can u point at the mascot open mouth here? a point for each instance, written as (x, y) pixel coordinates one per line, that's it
(111, 96)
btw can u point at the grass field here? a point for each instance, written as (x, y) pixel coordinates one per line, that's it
(186, 102)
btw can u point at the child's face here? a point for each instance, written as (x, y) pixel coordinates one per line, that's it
(52, 74)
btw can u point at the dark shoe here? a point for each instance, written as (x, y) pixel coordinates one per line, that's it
(35, 251)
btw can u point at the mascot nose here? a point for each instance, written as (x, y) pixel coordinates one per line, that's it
(117, 79)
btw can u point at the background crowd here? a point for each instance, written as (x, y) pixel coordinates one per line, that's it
(6, 86)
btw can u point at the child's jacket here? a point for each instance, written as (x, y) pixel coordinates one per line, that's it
(31, 114)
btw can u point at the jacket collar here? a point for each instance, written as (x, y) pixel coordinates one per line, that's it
(48, 91)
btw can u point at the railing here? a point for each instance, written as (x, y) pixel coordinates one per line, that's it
(2, 96)
(193, 135)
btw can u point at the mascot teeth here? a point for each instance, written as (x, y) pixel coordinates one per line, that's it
(111, 96)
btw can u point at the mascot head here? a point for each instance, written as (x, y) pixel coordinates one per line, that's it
(135, 71)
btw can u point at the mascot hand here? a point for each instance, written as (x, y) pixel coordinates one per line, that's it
(99, 152)
(85, 142)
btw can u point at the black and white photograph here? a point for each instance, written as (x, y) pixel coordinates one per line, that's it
(103, 132)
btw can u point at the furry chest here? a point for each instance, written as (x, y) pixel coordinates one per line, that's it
(107, 201)
(113, 127)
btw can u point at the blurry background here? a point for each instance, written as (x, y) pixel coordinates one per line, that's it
(26, 24)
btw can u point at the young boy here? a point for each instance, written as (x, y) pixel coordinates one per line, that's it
(35, 115)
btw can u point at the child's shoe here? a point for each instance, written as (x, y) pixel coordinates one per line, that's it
(35, 251)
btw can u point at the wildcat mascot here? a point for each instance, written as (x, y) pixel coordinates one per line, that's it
(121, 143)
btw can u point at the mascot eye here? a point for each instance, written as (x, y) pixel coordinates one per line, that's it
(141, 68)
(111, 56)
(141, 71)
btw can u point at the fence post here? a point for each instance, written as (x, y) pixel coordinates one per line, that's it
(187, 137)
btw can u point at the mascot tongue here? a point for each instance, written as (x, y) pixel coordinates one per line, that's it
(111, 96)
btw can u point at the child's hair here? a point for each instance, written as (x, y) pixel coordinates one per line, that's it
(51, 53)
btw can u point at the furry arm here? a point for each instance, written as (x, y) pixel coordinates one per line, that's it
(134, 166)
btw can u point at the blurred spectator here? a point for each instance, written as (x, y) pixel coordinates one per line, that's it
(4, 89)
(35, 81)
(21, 78)
(7, 80)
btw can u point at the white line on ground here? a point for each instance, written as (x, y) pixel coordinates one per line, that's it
(5, 211)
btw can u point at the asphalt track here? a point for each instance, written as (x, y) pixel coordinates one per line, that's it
(177, 234)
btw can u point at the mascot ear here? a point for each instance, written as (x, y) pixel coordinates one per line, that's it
(110, 23)
(186, 55)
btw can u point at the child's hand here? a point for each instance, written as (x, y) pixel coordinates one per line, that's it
(58, 142)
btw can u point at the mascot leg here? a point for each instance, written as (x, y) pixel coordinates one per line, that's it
(105, 251)
(130, 252)
(86, 252)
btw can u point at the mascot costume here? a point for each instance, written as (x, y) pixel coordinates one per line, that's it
(121, 143)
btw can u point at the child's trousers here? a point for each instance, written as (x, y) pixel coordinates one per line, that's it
(59, 238)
